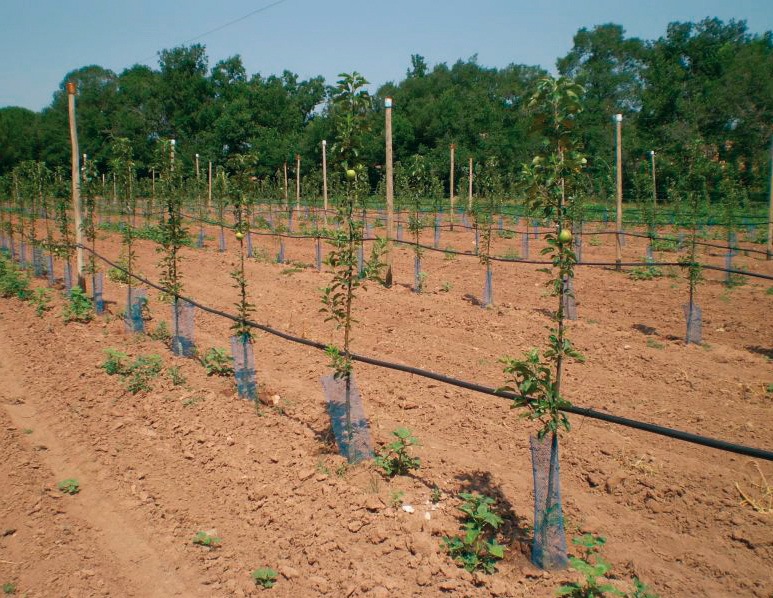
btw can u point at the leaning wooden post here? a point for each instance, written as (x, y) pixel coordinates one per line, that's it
(451, 185)
(619, 191)
(390, 190)
(469, 189)
(76, 187)
(324, 179)
(770, 205)
(298, 182)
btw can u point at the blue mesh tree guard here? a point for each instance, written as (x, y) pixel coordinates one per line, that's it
(22, 254)
(535, 226)
(622, 239)
(399, 231)
(501, 223)
(318, 254)
(525, 245)
(136, 298)
(200, 240)
(648, 255)
(37, 261)
(488, 288)
(244, 367)
(12, 248)
(694, 319)
(347, 417)
(280, 257)
(182, 329)
(51, 274)
(97, 286)
(570, 302)
(368, 230)
(221, 240)
(67, 276)
(548, 549)
(249, 244)
(361, 259)
(680, 239)
(290, 221)
(418, 278)
(477, 240)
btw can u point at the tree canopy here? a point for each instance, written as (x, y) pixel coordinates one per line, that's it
(706, 85)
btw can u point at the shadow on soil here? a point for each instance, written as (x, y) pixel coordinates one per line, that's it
(756, 349)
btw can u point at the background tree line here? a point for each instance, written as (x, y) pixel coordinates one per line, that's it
(703, 92)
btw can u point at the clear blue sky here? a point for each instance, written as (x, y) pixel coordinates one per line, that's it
(41, 40)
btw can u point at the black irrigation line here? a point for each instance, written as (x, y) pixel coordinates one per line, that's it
(495, 258)
(581, 233)
(473, 386)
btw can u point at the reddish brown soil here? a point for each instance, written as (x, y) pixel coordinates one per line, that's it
(157, 467)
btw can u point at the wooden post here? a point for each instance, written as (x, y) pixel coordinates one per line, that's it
(390, 190)
(286, 198)
(770, 205)
(76, 186)
(172, 144)
(451, 185)
(324, 179)
(298, 182)
(619, 190)
(654, 181)
(197, 169)
(469, 190)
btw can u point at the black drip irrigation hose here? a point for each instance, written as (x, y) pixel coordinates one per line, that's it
(493, 258)
(473, 386)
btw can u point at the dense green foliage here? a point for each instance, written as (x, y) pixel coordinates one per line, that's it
(709, 83)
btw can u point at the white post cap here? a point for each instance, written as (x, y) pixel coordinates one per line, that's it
(324, 142)
(618, 118)
(387, 102)
(173, 141)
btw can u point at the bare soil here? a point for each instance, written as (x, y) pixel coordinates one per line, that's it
(157, 467)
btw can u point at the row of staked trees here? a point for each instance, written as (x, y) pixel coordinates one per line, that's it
(701, 91)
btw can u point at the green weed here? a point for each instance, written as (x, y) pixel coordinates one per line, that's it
(477, 548)
(41, 299)
(204, 539)
(645, 273)
(217, 362)
(265, 577)
(395, 458)
(595, 570)
(78, 307)
(161, 332)
(69, 486)
(175, 375)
